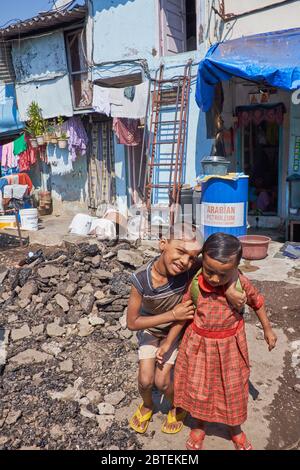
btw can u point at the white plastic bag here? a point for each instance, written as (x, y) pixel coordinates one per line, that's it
(103, 229)
(81, 224)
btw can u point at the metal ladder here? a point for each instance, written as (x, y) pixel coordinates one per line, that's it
(166, 138)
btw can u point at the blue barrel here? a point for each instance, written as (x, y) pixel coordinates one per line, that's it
(224, 206)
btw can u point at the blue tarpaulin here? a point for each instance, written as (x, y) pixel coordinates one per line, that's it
(270, 58)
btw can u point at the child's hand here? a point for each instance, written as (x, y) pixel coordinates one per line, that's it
(184, 311)
(236, 298)
(270, 338)
(162, 350)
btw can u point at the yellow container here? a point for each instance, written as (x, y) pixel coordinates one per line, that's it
(7, 221)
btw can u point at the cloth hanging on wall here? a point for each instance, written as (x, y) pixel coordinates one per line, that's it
(101, 100)
(257, 114)
(128, 102)
(9, 160)
(20, 145)
(127, 131)
(27, 158)
(78, 139)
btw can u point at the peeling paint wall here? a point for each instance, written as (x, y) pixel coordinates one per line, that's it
(9, 115)
(129, 27)
(42, 75)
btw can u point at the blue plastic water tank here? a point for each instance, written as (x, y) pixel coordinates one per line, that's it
(224, 206)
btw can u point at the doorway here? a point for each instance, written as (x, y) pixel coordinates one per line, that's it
(261, 149)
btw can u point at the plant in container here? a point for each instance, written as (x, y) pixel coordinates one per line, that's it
(47, 132)
(36, 124)
(63, 140)
(58, 130)
(29, 130)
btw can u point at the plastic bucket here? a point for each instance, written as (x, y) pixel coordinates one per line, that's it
(7, 221)
(29, 219)
(255, 246)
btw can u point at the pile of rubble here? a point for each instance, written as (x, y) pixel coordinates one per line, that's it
(68, 361)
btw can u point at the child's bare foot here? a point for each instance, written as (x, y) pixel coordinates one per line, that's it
(174, 421)
(140, 420)
(241, 442)
(195, 440)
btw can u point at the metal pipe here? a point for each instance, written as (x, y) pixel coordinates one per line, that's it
(230, 16)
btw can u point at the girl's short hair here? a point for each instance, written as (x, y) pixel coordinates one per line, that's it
(222, 247)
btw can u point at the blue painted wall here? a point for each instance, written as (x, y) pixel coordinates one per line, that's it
(9, 115)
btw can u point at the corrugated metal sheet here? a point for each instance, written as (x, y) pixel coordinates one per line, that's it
(7, 74)
(44, 21)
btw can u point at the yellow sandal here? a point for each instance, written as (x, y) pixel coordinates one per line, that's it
(171, 419)
(142, 418)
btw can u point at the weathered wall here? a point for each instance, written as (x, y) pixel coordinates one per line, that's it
(67, 180)
(10, 120)
(42, 75)
(277, 18)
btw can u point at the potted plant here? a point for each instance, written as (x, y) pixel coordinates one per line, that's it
(36, 124)
(62, 140)
(40, 129)
(47, 132)
(32, 139)
(58, 131)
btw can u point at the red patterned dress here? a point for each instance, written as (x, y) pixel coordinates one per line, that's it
(212, 367)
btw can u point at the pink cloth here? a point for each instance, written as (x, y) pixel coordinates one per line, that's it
(9, 160)
(127, 131)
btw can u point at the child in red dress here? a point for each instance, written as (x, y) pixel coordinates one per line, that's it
(212, 368)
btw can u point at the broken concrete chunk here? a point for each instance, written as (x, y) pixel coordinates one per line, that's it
(48, 271)
(20, 333)
(53, 329)
(130, 257)
(66, 366)
(62, 302)
(114, 398)
(106, 409)
(30, 356)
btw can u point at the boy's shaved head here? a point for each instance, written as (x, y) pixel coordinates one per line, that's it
(184, 231)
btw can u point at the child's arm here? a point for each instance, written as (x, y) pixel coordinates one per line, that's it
(136, 321)
(269, 335)
(172, 335)
(256, 301)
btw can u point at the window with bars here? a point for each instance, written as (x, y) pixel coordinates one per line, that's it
(78, 69)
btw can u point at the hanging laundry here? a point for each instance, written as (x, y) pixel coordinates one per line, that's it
(27, 158)
(21, 178)
(101, 100)
(78, 139)
(129, 92)
(127, 131)
(122, 106)
(9, 160)
(13, 179)
(25, 179)
(20, 145)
